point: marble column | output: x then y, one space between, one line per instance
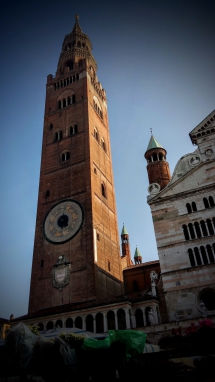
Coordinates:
116 321
94 324
105 322
127 319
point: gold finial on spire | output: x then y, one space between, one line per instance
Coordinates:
151 130
76 17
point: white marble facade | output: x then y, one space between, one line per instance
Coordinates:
184 222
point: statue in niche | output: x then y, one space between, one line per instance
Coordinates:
151 317
153 277
203 310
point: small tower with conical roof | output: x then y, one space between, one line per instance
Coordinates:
126 253
157 166
137 256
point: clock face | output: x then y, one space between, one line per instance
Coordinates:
63 221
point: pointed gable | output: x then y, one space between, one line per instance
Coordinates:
205 128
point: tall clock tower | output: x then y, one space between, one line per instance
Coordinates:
76 250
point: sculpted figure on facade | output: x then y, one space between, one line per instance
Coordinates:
153 277
203 310
151 317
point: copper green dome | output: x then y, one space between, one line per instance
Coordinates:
153 144
124 231
137 253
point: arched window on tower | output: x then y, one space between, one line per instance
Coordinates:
205 201
203 227
58 135
191 257
197 256
95 133
210 227
191 230
194 208
73 98
204 255
210 253
103 144
186 234
189 209
65 156
73 129
198 231
103 189
211 201
155 157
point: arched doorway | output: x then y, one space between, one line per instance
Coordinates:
59 324
69 323
111 320
139 318
49 325
41 326
78 322
121 319
99 323
89 323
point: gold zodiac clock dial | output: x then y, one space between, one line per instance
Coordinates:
63 221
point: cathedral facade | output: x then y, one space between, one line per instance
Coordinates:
183 213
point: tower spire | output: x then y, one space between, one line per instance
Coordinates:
77 27
137 256
126 254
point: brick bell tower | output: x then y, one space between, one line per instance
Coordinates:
76 250
157 166
125 245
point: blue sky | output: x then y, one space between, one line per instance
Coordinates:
156 62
